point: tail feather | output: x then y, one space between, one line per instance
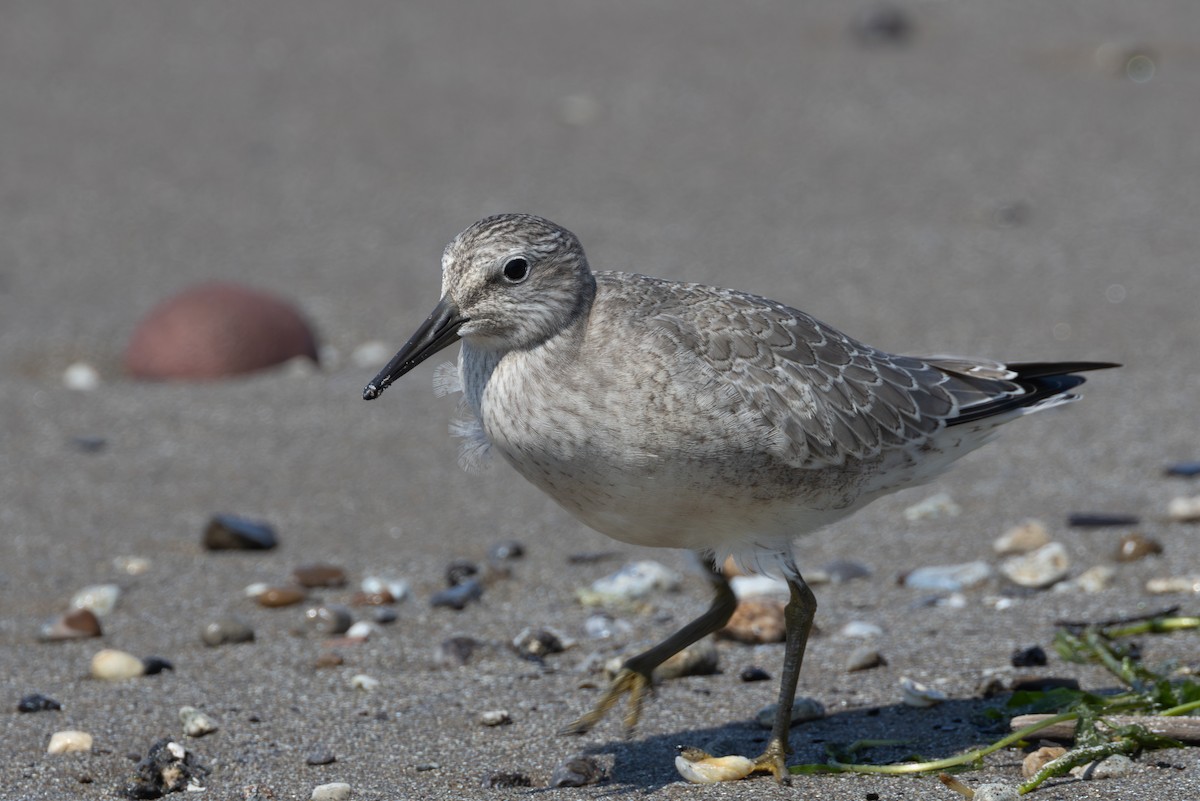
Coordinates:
1031 384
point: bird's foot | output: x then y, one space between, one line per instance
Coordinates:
773 760
628 680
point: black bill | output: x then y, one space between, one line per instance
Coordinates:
439 330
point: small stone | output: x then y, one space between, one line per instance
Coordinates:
328 619
1094 579
839 571
1033 656
112 665
384 615
320 755
168 767
1184 510
698 659
383 598
89 443
36 702
506 780
756 620
362 681
226 630
398 589
803 709
196 723
1038 569
633 582
64 742
274 597
1036 760
506 551
882 25
860 629
74 625
700 768
939 505
603 626
319 574
576 771
1133 547
334 791
533 644
131 565
99 599
153 665
81 377
1113 767
227 532
329 659
753 673
362 630
1170 584
458 596
1100 519
1185 469
495 717
997 791
1028 536
949 578
915 693
456 651
461 570
864 658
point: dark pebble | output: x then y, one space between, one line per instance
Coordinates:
842 570
319 575
156 664
228 532
458 596
506 551
1133 547
504 780
328 619
460 571
384 615
1185 469
226 630
533 644
577 771
320 756
1098 519
754 673
1042 684
167 768
457 650
882 25
36 702
88 444
1033 656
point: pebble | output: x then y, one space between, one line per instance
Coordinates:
81 377
153 665
1094 579
602 626
274 597
456 651
864 658
320 755
1038 569
839 571
228 532
506 551
131 565
753 673
758 586
36 702
503 780
361 681
334 791
363 630
398 589
226 630
576 771
328 619
633 582
1185 469
64 742
495 717
700 768
196 723
882 25
1133 547
1033 656
329 659
756 620
89 443
1184 510
1026 537
168 767
860 629
1168 584
384 615
1099 519
698 659
112 665
318 574
1036 760
949 578
214 330
935 506
458 596
461 570
99 599
1113 767
534 643
73 625
915 693
383 598
996 791
803 709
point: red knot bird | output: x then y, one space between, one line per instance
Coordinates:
686 416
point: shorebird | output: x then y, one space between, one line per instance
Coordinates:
687 416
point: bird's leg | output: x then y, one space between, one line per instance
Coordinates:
798 618
635 674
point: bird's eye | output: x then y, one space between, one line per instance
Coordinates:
516 270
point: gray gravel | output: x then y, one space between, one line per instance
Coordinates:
995 187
